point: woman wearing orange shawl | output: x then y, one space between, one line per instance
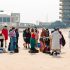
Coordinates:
42 39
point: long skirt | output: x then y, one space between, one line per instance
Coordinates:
12 46
32 43
43 45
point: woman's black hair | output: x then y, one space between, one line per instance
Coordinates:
32 30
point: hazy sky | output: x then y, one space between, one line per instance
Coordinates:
32 10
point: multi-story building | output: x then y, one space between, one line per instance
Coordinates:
65 11
14 19
4 18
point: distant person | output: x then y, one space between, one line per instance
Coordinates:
5 33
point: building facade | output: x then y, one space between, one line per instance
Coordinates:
14 19
65 11
4 18
26 25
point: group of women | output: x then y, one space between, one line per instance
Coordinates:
34 41
13 44
46 42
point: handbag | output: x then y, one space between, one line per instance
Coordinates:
63 42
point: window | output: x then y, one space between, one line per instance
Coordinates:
7 19
0 19
66 19
4 19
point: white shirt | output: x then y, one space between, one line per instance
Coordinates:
56 40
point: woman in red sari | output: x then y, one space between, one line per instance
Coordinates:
5 33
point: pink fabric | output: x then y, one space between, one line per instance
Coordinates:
12 33
36 36
41 43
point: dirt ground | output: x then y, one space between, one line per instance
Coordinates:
39 61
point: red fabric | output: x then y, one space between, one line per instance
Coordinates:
33 35
5 33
